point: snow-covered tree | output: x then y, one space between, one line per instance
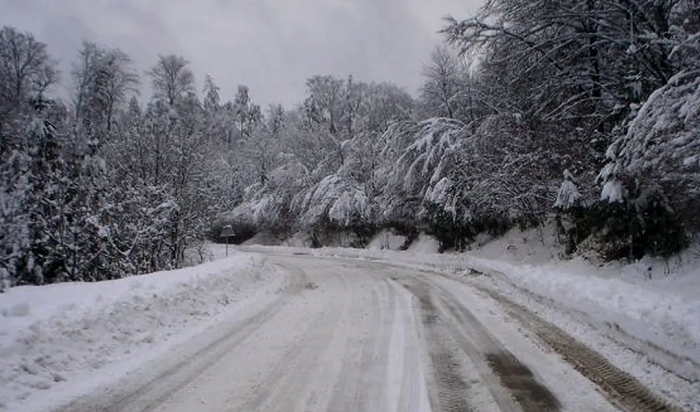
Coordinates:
212 101
26 72
172 80
268 205
535 90
384 104
568 195
324 102
653 173
444 89
104 80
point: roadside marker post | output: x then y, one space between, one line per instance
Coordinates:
227 232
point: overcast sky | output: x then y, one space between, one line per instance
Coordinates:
272 46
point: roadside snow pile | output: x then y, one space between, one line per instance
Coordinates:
668 318
425 244
653 300
64 332
386 240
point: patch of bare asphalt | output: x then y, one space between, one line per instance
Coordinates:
515 376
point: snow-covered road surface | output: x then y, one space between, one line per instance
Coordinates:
347 335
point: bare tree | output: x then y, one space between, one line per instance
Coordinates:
171 78
443 85
104 80
212 101
323 104
26 71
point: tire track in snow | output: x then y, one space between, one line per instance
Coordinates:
363 374
406 375
297 365
162 386
513 374
622 389
375 358
498 367
682 367
450 385
614 384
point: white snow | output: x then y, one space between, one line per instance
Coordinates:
660 316
653 300
568 193
55 339
613 191
61 341
386 240
425 244
663 310
543 363
648 328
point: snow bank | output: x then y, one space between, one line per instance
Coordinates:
535 246
386 240
425 244
653 300
298 240
52 336
662 316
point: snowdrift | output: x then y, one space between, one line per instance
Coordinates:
659 316
652 299
57 336
386 240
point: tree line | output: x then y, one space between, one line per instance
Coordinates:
99 187
582 114
579 114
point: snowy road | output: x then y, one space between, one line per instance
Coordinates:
348 335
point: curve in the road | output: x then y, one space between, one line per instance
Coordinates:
349 336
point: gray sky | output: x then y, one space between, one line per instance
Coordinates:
272 46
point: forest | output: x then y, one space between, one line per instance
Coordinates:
580 114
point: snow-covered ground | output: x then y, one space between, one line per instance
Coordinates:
355 335
653 300
664 310
386 240
59 341
645 317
